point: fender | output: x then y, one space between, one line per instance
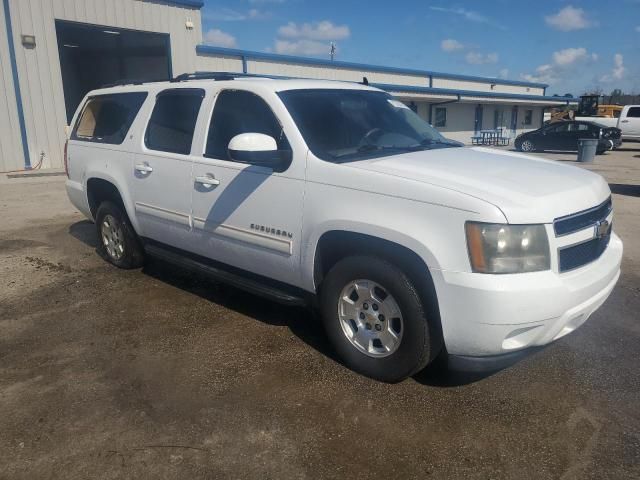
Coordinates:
120 185
308 254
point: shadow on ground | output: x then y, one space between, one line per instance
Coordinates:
624 189
302 322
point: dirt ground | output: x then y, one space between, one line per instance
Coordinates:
159 374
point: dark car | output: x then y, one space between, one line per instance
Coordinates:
565 135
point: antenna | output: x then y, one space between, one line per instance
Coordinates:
332 52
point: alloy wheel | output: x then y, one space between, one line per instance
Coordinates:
370 318
112 237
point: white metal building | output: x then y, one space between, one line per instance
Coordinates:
53 51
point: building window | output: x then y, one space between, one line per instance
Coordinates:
173 120
528 117
498 118
441 117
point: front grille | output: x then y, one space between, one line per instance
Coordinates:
578 255
581 220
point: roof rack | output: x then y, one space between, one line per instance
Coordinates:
131 81
218 76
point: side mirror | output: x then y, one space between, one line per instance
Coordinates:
255 148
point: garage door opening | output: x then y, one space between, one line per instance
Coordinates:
92 56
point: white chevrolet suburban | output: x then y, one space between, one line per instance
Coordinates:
337 196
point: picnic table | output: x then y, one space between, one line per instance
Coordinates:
490 137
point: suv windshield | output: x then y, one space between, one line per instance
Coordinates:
342 125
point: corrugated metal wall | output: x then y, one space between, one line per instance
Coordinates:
11 156
39 67
485 86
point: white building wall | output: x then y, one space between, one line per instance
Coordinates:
11 157
39 68
219 63
485 86
461 119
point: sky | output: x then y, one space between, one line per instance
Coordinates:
574 46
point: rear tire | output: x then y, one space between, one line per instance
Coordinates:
117 241
390 290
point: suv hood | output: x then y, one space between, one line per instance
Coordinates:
526 189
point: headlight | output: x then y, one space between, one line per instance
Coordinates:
498 248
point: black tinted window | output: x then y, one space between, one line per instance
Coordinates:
237 112
173 120
107 118
634 112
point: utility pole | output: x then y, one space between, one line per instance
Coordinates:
332 52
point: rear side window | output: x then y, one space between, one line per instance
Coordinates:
173 120
236 112
634 112
107 118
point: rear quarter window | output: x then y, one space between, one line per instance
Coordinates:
107 118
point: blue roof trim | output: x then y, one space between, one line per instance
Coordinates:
187 3
234 52
470 93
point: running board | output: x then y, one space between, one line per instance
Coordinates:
239 281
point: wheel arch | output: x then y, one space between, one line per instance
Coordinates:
100 188
336 244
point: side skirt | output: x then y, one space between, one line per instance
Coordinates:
260 286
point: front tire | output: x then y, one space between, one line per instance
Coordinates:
117 241
375 319
527 146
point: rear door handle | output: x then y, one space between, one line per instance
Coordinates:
207 180
624 121
143 168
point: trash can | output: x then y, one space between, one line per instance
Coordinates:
587 149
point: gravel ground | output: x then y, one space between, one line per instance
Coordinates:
157 374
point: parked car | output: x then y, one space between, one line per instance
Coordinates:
564 135
629 122
336 196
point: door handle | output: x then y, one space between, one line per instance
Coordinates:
624 121
207 180
143 168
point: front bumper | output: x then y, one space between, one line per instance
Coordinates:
486 315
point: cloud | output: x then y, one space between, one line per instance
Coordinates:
219 38
231 15
504 73
568 19
451 45
309 38
638 29
463 12
301 47
469 15
618 69
477 58
563 62
569 56
324 30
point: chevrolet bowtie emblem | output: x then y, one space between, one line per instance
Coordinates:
602 228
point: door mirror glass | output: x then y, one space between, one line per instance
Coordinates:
255 148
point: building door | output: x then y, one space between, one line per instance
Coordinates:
514 119
478 119
92 56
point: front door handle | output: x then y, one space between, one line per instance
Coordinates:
207 180
143 168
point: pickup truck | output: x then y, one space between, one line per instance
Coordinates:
629 122
337 196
